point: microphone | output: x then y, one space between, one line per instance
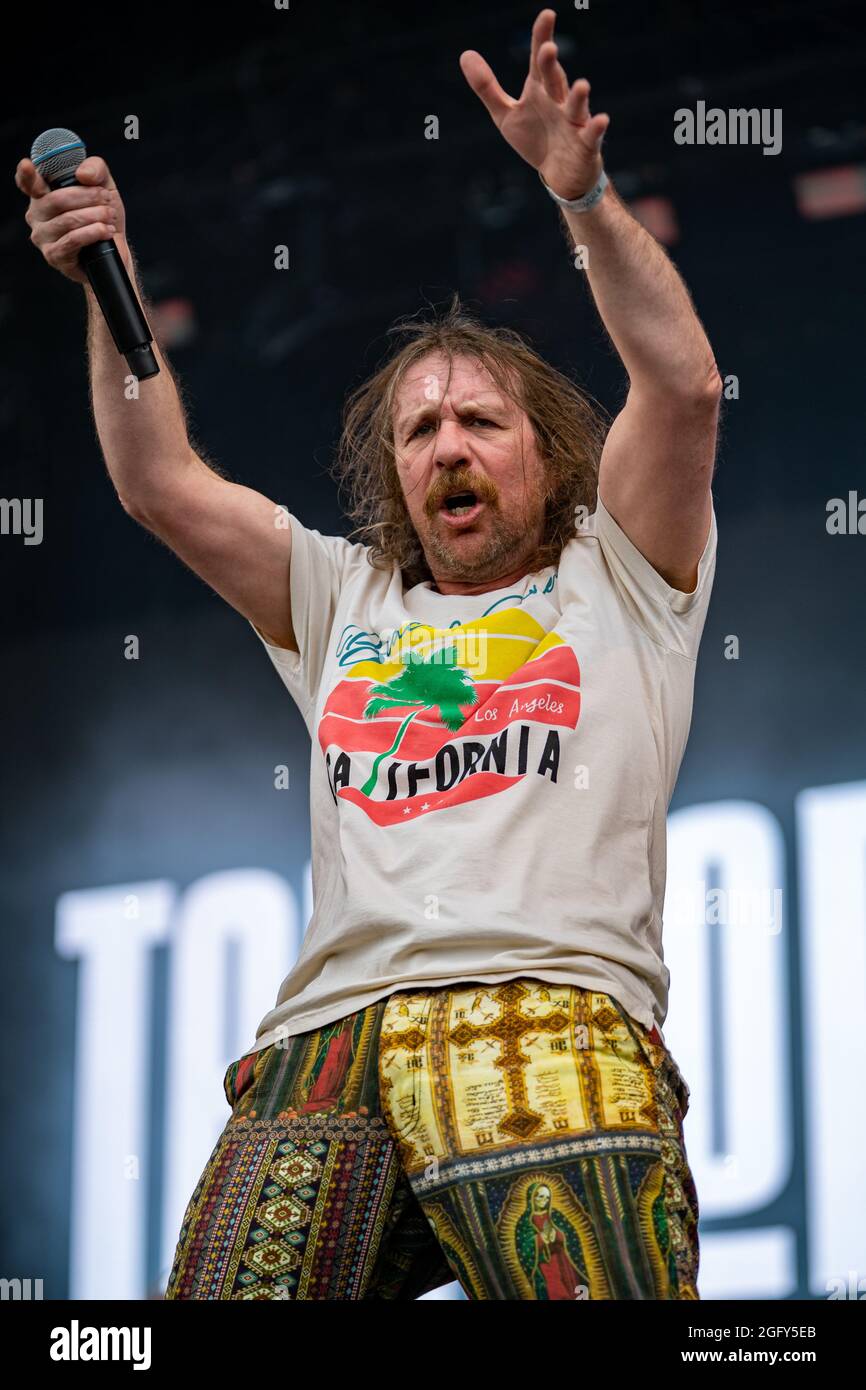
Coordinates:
57 154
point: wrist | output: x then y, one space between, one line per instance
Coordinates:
586 201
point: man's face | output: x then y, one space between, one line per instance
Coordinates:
463 436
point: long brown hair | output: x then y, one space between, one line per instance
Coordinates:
569 427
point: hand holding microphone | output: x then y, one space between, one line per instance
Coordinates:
74 213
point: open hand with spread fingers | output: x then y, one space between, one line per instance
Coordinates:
550 126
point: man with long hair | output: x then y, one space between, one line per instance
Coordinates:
464 1075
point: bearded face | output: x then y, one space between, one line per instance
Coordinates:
470 472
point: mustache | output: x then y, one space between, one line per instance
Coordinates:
485 490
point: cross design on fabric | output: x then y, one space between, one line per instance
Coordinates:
509 1029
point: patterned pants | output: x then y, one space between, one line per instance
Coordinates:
525 1139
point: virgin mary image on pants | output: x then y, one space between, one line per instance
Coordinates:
328 1073
545 1240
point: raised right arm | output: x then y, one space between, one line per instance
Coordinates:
233 537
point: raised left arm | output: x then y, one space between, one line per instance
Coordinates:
657 463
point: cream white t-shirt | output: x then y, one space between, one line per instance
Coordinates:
490 774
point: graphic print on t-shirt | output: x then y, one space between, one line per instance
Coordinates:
440 716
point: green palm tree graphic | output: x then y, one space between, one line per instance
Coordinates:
431 683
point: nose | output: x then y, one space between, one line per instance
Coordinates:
451 450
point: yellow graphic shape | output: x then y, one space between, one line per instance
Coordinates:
487 649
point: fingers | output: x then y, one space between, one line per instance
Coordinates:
600 124
54 232
594 130
94 170
542 30
29 179
63 254
482 80
577 102
552 72
63 220
62 200
91 172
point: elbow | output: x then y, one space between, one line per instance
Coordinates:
712 387
684 394
706 390
134 510
700 395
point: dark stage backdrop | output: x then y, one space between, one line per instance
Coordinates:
155 881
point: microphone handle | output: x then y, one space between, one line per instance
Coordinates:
117 299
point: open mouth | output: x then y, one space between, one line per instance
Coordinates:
460 504
461 509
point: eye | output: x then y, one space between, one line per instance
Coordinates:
473 419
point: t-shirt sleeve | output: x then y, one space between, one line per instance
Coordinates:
317 573
669 616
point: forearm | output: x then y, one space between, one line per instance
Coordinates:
143 434
642 300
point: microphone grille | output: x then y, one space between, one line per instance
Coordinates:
57 152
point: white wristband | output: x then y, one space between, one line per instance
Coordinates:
583 204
